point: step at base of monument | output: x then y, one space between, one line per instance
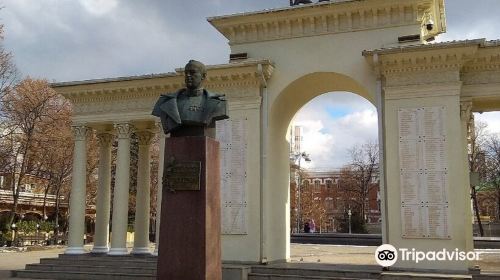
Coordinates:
101 261
314 271
93 268
423 276
260 276
437 276
77 275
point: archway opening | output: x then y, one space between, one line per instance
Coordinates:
336 105
484 165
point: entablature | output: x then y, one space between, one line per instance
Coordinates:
332 17
423 57
471 68
134 97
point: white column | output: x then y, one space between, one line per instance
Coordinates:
121 191
159 188
103 194
78 193
141 226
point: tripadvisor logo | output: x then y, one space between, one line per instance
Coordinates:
387 255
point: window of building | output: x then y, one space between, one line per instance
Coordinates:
317 186
329 184
305 183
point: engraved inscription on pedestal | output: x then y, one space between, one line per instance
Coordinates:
423 172
182 176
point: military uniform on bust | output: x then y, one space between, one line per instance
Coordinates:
191 111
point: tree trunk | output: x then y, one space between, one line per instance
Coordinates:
56 219
476 209
15 200
44 207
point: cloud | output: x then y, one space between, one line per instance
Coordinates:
326 138
85 39
99 7
492 119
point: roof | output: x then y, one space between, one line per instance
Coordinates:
248 62
441 45
281 9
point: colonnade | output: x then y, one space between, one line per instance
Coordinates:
114 244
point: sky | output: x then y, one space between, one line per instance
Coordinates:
68 40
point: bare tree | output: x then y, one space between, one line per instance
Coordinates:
492 182
28 108
362 171
8 74
476 151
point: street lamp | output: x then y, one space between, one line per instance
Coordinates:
349 213
297 157
14 235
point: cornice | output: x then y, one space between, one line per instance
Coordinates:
241 74
132 98
423 58
486 59
330 18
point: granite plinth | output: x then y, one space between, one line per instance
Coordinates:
190 246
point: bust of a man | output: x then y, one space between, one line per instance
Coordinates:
191 111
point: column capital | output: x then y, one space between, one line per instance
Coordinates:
80 132
123 130
105 138
144 137
465 109
160 130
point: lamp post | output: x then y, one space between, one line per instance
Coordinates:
14 235
298 158
349 213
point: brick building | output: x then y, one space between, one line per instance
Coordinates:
325 199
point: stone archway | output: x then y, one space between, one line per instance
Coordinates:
291 55
298 93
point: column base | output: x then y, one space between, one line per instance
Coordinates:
75 251
141 251
100 249
118 252
155 252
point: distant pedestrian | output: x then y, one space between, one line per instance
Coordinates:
313 226
307 229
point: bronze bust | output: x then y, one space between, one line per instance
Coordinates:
191 111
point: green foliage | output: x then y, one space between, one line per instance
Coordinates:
46 226
357 224
5 236
26 227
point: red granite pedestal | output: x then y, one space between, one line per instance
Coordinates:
190 246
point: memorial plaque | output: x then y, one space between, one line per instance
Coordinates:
408 125
410 191
409 155
233 149
183 176
413 221
436 183
423 167
432 120
438 221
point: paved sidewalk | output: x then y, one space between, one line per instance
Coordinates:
18 260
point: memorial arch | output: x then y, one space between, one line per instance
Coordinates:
282 58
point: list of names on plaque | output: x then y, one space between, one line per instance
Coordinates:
423 172
231 134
